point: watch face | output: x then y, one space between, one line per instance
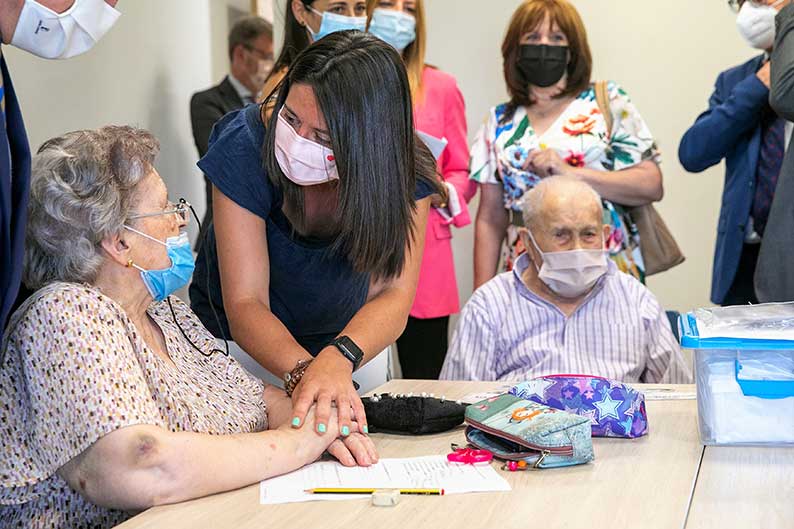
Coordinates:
349 350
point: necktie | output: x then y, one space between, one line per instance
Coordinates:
770 160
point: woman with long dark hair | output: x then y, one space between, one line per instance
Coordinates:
308 20
319 220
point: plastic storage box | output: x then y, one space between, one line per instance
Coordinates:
745 387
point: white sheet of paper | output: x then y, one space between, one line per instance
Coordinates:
471 398
436 145
415 472
665 394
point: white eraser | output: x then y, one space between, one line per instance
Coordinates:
386 497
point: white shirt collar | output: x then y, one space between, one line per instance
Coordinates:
240 88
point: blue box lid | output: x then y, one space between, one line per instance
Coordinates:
690 339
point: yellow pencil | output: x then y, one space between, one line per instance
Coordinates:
432 492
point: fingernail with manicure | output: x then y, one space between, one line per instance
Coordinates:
345 431
321 428
296 421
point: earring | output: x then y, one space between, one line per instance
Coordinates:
129 263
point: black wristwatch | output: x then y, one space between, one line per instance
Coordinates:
349 350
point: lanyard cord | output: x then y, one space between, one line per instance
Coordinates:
184 334
217 319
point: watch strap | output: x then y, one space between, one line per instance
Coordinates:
349 350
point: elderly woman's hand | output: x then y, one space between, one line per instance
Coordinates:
355 449
351 450
328 380
546 163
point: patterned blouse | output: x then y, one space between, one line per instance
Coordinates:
580 137
74 368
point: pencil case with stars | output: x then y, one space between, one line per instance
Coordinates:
527 433
613 408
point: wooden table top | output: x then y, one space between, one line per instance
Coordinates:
643 483
744 487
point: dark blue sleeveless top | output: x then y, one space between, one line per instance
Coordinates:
313 292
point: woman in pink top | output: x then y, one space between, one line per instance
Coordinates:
439 112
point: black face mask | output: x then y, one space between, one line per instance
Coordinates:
542 65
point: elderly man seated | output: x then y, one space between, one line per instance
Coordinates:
565 307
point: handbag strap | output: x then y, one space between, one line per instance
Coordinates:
602 99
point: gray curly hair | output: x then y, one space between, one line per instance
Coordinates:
82 190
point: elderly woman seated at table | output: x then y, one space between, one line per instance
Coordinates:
114 397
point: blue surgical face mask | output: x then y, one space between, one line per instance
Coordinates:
393 27
332 22
163 283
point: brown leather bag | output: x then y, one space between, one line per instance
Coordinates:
659 250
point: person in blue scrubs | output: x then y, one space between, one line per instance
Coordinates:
319 222
51 29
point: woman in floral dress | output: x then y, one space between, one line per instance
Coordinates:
553 125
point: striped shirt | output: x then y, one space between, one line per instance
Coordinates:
507 332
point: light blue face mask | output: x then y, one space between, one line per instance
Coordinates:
396 28
332 22
163 283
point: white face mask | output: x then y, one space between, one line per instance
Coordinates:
303 161
51 35
757 24
571 273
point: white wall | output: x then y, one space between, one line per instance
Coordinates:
223 14
666 54
141 73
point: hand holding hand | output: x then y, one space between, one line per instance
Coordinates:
326 381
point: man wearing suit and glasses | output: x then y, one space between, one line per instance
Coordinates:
251 57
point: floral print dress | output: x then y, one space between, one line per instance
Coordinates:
580 137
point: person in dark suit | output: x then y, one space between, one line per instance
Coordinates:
774 276
251 56
71 28
740 127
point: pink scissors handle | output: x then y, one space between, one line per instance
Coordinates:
469 456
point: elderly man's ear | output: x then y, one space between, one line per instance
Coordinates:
532 251
523 235
117 248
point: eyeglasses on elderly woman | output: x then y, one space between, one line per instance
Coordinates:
181 209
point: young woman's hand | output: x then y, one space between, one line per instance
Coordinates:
328 381
351 450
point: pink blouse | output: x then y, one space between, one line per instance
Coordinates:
442 113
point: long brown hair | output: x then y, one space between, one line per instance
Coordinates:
414 54
529 15
362 89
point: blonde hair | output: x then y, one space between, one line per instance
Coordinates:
414 54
